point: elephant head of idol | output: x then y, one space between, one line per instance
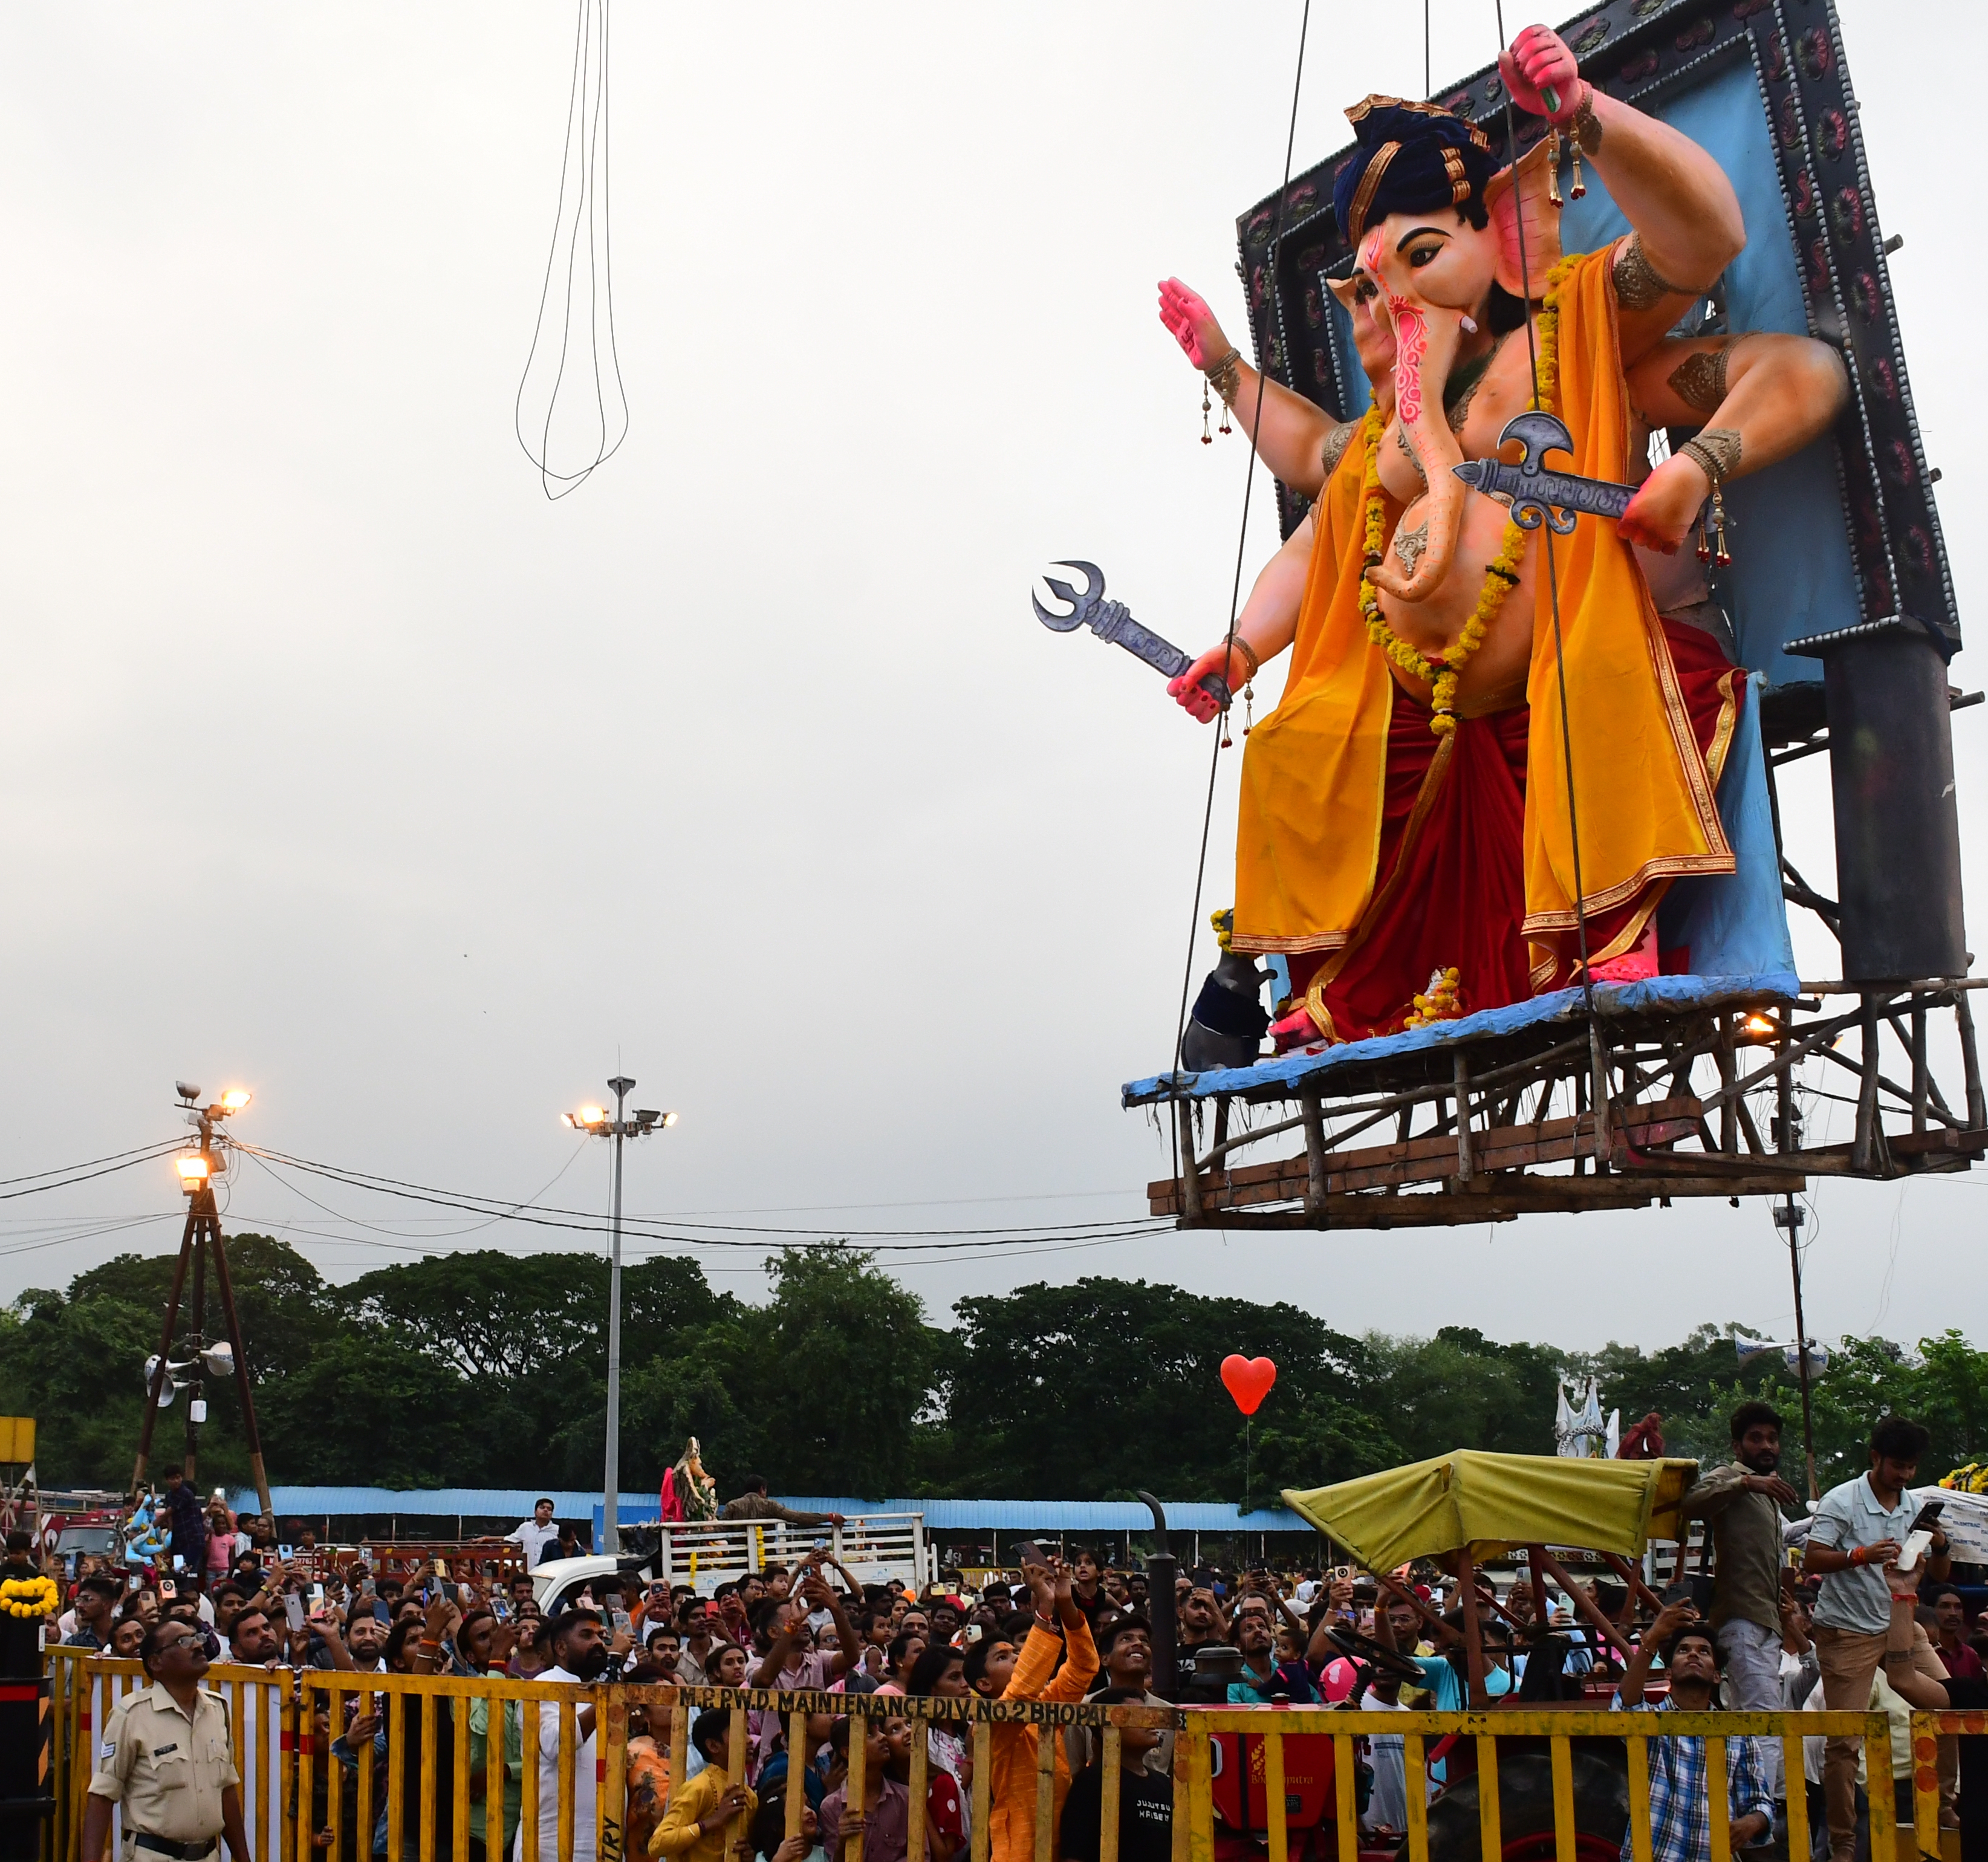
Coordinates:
1434 228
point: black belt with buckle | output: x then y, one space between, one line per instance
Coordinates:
180 1852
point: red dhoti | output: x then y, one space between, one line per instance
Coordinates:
1450 879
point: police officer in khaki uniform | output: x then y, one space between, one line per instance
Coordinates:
166 1757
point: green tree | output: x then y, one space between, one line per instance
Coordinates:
487 1369
1459 1390
368 1410
845 1367
1094 1390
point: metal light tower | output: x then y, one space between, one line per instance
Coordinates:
595 1120
201 1236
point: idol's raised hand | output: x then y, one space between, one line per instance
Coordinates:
1186 313
1540 61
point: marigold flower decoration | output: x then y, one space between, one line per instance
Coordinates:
1439 1003
29 1596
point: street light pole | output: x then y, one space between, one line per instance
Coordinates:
197 1169
610 1501
620 1127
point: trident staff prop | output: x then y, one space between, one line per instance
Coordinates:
1113 620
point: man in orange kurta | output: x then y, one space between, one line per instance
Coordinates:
1032 1673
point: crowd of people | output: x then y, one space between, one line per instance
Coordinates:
1861 1617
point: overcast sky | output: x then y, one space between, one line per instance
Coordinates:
340 764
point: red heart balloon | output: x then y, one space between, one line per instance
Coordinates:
1249 1381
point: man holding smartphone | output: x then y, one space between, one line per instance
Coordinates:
1859 1529
1741 1504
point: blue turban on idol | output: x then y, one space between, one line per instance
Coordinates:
1409 158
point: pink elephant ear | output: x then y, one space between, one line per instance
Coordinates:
1533 197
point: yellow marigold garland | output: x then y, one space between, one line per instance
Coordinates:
29 1596
1439 1002
1500 578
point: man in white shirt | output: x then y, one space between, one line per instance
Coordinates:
1859 1530
580 1653
1388 1808
535 1533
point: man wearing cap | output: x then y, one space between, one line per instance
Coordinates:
167 1759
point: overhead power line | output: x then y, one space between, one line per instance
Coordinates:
39 1181
666 1228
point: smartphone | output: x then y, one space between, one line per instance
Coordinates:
498 1608
284 1551
1028 1553
317 1596
381 1613
294 1608
167 1587
179 1563
623 1622
1914 1550
1928 1515
133 1582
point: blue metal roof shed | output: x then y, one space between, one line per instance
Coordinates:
418 1509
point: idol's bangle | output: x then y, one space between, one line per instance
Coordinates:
1226 376
1701 456
1584 126
1251 664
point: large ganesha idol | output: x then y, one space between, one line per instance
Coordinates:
1406 812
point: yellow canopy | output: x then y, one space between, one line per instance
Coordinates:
1493 1502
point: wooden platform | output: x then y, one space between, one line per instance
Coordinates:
1465 1150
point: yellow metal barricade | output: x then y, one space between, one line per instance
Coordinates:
341 1766
986 1721
1622 1737
1927 1730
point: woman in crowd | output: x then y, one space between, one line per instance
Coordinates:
906 1646
940 1673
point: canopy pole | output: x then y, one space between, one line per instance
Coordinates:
1473 1634
1441 1630
1634 1578
1579 1598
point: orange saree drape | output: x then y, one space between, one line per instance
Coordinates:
1367 850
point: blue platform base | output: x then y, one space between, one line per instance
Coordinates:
1359 1066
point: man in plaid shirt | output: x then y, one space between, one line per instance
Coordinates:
1680 1824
